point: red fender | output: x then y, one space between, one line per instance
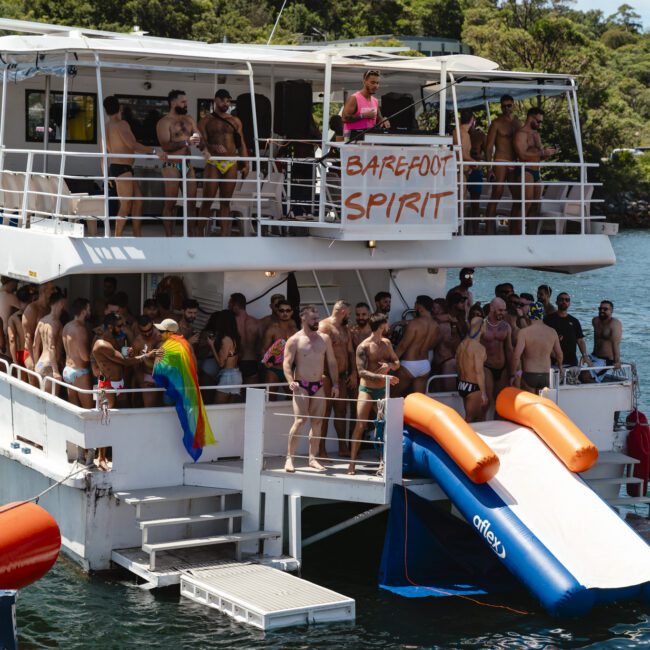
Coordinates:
638 446
29 544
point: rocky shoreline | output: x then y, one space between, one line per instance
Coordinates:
628 210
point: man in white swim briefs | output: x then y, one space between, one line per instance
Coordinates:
421 336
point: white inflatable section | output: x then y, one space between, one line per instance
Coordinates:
594 544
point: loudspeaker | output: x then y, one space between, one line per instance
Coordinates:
244 112
392 103
293 104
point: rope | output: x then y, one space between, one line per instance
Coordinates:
441 591
40 494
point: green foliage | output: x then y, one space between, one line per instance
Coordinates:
626 173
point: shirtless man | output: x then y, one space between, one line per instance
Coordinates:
473 174
497 340
120 140
224 136
150 308
15 334
186 323
111 363
361 330
9 301
281 330
32 314
499 148
48 342
77 354
266 321
420 338
177 132
535 345
544 293
375 359
305 355
383 301
336 327
470 360
444 355
528 147
148 339
249 330
466 281
608 332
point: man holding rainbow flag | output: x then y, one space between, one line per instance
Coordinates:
176 372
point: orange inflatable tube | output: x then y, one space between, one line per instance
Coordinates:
551 424
29 544
453 434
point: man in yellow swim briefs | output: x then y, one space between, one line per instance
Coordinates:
223 136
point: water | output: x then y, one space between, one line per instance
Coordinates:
70 610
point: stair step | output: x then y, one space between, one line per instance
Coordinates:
624 501
213 540
192 519
173 493
615 458
620 480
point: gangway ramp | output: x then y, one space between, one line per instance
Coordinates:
265 597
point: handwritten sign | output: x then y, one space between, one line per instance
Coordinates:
398 186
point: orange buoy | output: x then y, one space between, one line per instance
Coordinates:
453 434
29 544
551 424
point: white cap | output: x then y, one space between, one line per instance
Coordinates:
168 325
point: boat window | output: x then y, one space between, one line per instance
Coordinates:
142 112
82 117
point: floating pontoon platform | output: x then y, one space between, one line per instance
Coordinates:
264 597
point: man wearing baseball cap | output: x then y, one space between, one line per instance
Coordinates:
224 136
167 326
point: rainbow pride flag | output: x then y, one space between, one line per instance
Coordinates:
176 373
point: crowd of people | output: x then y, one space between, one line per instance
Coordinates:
449 344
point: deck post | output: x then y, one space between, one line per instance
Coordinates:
3 117
258 161
442 120
327 91
64 128
253 464
295 526
102 130
393 445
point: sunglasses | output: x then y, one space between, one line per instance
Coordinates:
468 275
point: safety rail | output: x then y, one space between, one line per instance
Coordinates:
287 195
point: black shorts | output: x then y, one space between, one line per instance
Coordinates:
248 368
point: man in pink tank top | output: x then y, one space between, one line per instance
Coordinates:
361 110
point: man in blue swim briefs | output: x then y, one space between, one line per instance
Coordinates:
528 146
375 359
473 174
305 355
77 354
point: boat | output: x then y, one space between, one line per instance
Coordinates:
340 224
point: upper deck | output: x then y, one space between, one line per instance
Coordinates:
393 200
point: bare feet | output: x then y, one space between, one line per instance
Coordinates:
351 470
314 464
344 452
103 465
323 454
288 466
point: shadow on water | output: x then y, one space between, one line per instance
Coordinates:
70 610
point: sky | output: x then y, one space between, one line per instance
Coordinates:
608 7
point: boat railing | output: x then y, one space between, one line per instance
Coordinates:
291 195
